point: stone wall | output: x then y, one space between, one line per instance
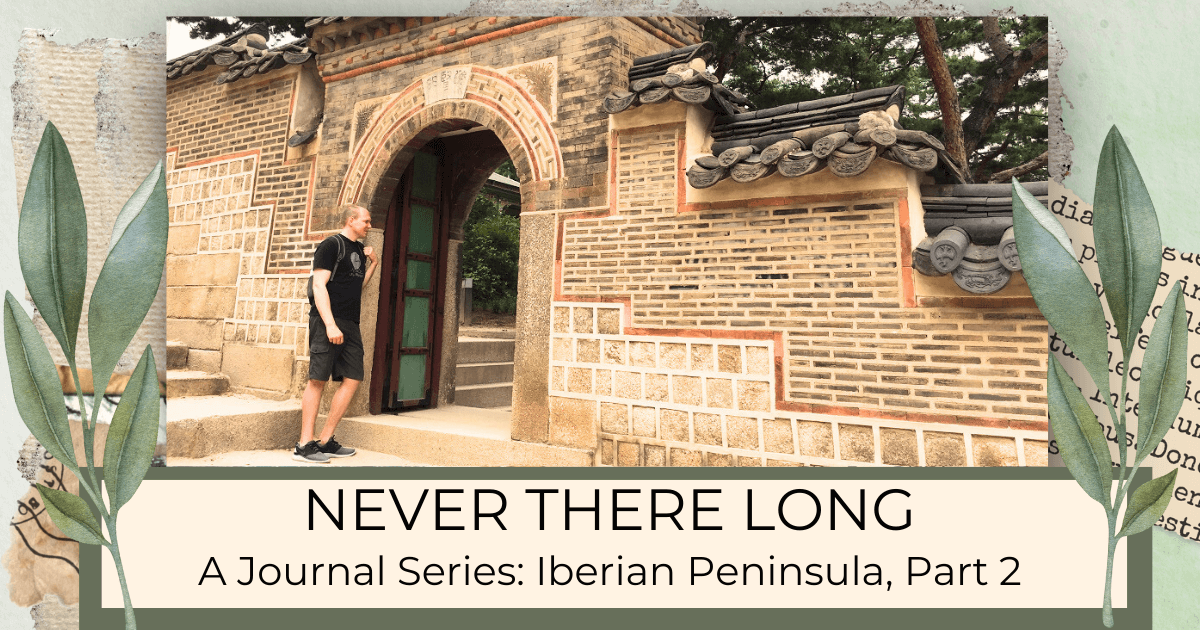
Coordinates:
247 211
230 185
802 290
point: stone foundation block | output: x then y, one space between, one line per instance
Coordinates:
945 449
857 443
573 422
898 447
258 367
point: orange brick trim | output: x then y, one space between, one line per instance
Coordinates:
440 50
908 287
924 418
231 156
980 301
889 193
612 173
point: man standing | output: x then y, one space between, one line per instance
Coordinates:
335 345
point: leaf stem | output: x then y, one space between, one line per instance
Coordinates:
1107 614
92 488
130 619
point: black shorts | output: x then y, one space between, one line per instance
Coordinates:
343 360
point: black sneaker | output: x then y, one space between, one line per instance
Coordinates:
333 449
310 453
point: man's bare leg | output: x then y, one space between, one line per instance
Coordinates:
337 407
309 404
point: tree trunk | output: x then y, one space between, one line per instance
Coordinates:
943 82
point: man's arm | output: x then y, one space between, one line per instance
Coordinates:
370 252
321 300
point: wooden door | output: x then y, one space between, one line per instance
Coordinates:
408 345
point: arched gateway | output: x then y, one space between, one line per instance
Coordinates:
701 282
419 177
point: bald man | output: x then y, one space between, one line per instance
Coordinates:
335 346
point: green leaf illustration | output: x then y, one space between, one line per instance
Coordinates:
1078 434
36 387
1128 243
72 516
130 277
1164 374
52 240
132 434
1148 504
1063 293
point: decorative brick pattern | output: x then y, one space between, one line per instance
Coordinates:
709 401
207 122
825 274
271 310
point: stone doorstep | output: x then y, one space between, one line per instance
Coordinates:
466 374
454 436
446 436
472 350
189 383
486 395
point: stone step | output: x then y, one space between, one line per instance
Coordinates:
182 383
489 395
486 333
482 373
485 350
201 426
177 355
454 436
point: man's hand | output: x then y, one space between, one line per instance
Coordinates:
370 252
335 335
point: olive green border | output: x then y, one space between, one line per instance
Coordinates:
1137 615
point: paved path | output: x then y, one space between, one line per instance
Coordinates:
284 458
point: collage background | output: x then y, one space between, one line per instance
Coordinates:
1124 65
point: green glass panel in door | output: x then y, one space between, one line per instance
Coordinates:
418 276
416 322
424 184
420 229
411 379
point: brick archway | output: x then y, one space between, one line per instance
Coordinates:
418 114
407 121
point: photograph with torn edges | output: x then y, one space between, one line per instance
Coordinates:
600 241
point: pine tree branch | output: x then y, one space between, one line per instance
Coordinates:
1018 171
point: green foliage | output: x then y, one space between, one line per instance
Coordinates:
1148 504
52 245
127 284
72 516
1128 244
132 433
52 239
491 248
213 27
1079 438
1062 291
775 61
36 388
1128 251
1164 374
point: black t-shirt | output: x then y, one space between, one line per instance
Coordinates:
345 285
